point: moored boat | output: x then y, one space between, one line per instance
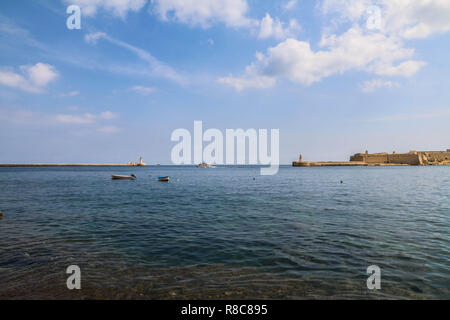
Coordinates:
204 165
121 177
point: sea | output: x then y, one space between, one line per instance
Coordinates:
225 233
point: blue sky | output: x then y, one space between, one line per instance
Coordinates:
137 70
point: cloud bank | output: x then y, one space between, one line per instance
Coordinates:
31 79
118 8
381 51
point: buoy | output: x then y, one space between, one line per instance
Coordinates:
342 181
1 215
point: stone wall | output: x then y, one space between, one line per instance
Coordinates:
411 158
377 158
435 156
405 158
357 157
370 158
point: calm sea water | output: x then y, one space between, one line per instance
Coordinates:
218 233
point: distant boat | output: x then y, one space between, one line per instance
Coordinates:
163 179
204 165
119 177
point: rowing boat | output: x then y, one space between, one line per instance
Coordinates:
119 177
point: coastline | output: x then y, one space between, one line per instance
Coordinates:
412 158
344 164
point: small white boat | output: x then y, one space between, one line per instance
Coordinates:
163 179
205 165
119 177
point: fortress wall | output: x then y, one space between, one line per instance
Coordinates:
436 156
404 158
375 158
412 158
357 157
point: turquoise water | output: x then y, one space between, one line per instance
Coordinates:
220 233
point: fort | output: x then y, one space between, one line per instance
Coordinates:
412 158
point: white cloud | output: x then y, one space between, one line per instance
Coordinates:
92 38
290 5
90 123
233 13
109 129
270 27
353 50
404 18
381 51
86 118
157 68
32 78
417 18
257 82
404 69
108 115
118 8
40 74
204 12
143 90
348 10
69 94
372 85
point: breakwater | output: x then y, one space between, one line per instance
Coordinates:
66 165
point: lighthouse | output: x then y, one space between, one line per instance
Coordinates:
141 162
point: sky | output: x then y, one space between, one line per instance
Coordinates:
336 77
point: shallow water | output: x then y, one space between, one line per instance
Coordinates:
217 233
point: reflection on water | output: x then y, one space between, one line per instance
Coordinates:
217 233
